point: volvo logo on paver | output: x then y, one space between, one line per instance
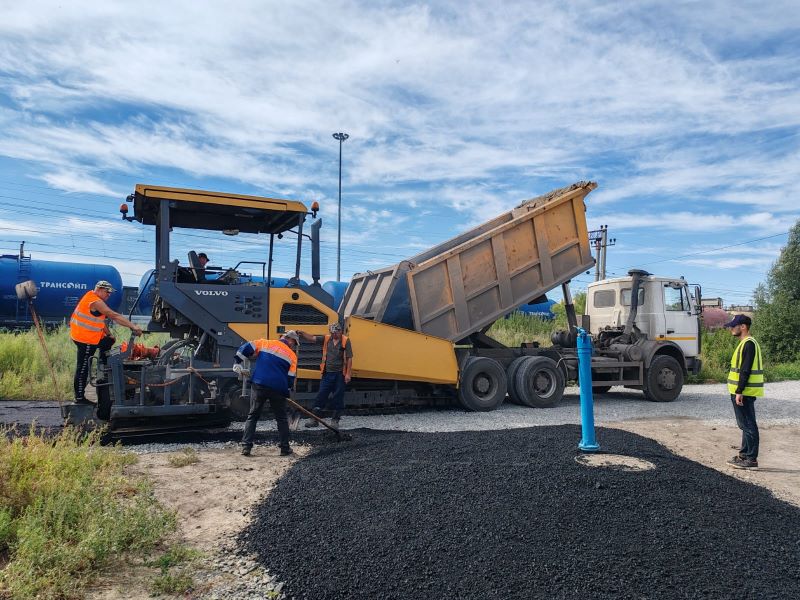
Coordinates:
210 293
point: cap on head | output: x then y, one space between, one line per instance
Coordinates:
104 285
739 320
203 255
334 328
292 335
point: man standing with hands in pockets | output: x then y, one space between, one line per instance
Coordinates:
745 384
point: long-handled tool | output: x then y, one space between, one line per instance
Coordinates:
342 437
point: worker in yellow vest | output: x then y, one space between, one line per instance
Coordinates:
745 384
88 329
336 367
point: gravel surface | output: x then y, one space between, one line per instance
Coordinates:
712 403
511 514
781 406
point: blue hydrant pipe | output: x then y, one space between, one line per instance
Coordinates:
588 442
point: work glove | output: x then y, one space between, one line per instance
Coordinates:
237 368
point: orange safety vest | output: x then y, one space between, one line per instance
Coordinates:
84 326
325 341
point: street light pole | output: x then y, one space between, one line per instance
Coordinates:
341 137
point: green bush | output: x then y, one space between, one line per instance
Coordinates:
67 510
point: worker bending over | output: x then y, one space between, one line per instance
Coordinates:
88 329
271 378
337 367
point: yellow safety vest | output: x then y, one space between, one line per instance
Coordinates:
755 383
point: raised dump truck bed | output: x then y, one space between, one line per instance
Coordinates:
463 285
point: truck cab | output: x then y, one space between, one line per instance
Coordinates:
667 311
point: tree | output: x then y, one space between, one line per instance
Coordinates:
777 302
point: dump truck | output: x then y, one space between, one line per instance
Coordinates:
419 328
458 289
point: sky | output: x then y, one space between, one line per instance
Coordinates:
686 114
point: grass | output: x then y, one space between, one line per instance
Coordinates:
172 579
184 458
67 510
519 328
24 374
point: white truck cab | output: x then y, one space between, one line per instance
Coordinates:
666 311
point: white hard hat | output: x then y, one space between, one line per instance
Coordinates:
292 335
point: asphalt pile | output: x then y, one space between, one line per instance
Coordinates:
511 514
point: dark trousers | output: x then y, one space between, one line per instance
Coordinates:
277 402
331 392
746 420
85 353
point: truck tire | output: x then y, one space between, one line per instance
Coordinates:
663 381
483 384
511 374
539 382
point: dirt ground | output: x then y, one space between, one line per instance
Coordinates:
214 497
710 445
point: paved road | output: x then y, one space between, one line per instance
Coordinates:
706 402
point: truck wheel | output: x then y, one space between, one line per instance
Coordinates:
664 379
539 382
483 384
511 374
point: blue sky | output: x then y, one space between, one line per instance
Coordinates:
687 114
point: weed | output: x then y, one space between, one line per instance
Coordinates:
168 582
187 456
67 511
173 583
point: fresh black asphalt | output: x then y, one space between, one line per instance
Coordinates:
511 514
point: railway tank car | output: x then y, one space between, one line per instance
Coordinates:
61 285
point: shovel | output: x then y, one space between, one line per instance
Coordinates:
342 437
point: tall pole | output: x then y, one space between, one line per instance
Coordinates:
341 137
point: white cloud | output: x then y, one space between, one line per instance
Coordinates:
456 113
746 226
78 182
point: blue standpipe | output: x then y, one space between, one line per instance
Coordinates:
588 442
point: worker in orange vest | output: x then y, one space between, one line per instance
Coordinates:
89 331
336 367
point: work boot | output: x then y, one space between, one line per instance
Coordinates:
743 463
246 451
311 423
286 451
